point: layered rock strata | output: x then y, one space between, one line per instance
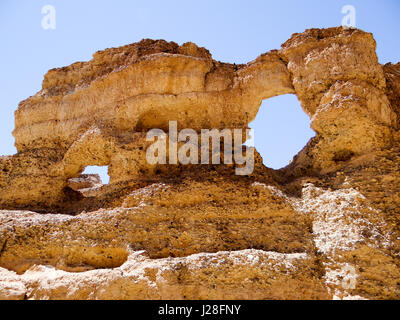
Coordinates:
326 226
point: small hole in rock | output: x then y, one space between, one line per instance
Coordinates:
90 181
102 171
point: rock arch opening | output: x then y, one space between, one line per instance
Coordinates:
91 180
101 171
281 129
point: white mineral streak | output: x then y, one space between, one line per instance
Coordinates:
42 280
339 219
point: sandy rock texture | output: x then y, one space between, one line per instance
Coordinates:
324 227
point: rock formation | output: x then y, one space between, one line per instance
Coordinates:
326 226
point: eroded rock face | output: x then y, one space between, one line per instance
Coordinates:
85 181
326 226
341 86
97 112
180 278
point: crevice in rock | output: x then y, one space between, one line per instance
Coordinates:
71 259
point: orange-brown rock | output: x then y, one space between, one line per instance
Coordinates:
341 86
326 226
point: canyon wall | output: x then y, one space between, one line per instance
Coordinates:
326 226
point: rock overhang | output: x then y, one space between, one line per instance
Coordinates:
97 112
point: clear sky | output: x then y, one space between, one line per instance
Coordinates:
234 31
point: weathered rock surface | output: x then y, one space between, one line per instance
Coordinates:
326 226
177 278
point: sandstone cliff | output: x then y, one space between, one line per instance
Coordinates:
326 226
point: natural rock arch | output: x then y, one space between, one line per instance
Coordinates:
97 112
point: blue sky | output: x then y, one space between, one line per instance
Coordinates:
234 31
